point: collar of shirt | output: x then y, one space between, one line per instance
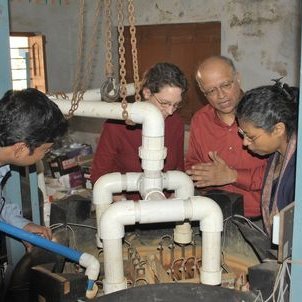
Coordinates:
3 171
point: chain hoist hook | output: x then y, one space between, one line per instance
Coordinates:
110 90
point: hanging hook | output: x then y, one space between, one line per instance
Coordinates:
110 90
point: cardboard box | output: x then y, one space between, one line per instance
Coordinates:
72 180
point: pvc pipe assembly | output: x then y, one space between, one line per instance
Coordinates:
111 219
86 260
120 214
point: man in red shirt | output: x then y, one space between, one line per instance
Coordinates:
215 155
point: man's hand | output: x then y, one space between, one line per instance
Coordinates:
215 173
36 229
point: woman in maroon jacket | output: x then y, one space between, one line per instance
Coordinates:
163 85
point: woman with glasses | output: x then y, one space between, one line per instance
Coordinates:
267 119
163 85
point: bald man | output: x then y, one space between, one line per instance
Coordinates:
215 156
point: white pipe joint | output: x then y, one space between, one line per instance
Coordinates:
150 182
102 192
115 218
149 116
183 186
153 153
208 212
91 264
104 188
179 182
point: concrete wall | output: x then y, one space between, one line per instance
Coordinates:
262 36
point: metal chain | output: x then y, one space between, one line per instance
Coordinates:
108 36
132 30
92 46
80 55
83 76
122 61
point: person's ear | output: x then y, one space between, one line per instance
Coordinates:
279 129
20 149
146 93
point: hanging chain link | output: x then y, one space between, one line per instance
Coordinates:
132 30
92 47
78 71
108 37
83 75
122 60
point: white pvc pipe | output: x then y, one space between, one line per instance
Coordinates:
105 187
210 258
119 214
152 152
113 265
94 95
91 264
179 182
183 186
144 113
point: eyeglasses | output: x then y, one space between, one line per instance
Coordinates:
166 104
226 86
249 139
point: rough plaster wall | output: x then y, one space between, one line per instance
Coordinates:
261 36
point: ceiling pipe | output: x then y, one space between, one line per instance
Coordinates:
120 214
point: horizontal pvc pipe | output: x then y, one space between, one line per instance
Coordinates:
139 112
94 95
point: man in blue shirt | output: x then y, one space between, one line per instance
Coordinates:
29 124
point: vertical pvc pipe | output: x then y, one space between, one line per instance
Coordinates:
210 272
113 266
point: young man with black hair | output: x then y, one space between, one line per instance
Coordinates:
29 124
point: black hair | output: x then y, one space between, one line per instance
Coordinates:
164 74
29 116
266 106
